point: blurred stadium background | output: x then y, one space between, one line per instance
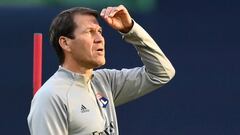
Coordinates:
201 38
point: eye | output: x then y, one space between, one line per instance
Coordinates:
100 31
91 31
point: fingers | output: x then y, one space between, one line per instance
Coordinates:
117 17
103 12
107 12
111 11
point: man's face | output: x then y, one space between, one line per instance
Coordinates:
87 48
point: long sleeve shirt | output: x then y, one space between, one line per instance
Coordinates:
72 104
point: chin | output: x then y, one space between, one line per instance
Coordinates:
103 63
99 64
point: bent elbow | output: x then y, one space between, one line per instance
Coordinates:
166 77
171 73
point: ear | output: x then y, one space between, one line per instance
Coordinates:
64 42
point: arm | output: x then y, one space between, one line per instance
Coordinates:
129 84
47 115
157 65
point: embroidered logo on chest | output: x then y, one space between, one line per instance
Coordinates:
102 100
84 109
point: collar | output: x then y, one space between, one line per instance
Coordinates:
82 78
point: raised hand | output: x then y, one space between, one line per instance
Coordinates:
118 18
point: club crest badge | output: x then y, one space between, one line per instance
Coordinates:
103 101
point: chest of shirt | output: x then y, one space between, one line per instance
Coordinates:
87 110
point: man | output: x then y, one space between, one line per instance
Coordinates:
79 101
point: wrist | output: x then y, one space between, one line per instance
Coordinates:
127 28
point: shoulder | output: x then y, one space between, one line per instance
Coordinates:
106 73
102 75
54 90
103 72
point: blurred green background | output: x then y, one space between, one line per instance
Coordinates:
141 5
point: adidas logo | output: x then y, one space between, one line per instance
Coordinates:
84 109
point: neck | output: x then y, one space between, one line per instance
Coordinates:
78 69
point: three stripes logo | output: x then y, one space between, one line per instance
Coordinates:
84 109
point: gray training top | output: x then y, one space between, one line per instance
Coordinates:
71 104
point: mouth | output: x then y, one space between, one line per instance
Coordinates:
100 50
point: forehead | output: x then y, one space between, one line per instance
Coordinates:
85 20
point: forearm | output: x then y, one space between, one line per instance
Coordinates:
157 65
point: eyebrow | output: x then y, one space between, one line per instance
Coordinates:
92 28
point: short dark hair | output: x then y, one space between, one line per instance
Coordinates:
63 25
